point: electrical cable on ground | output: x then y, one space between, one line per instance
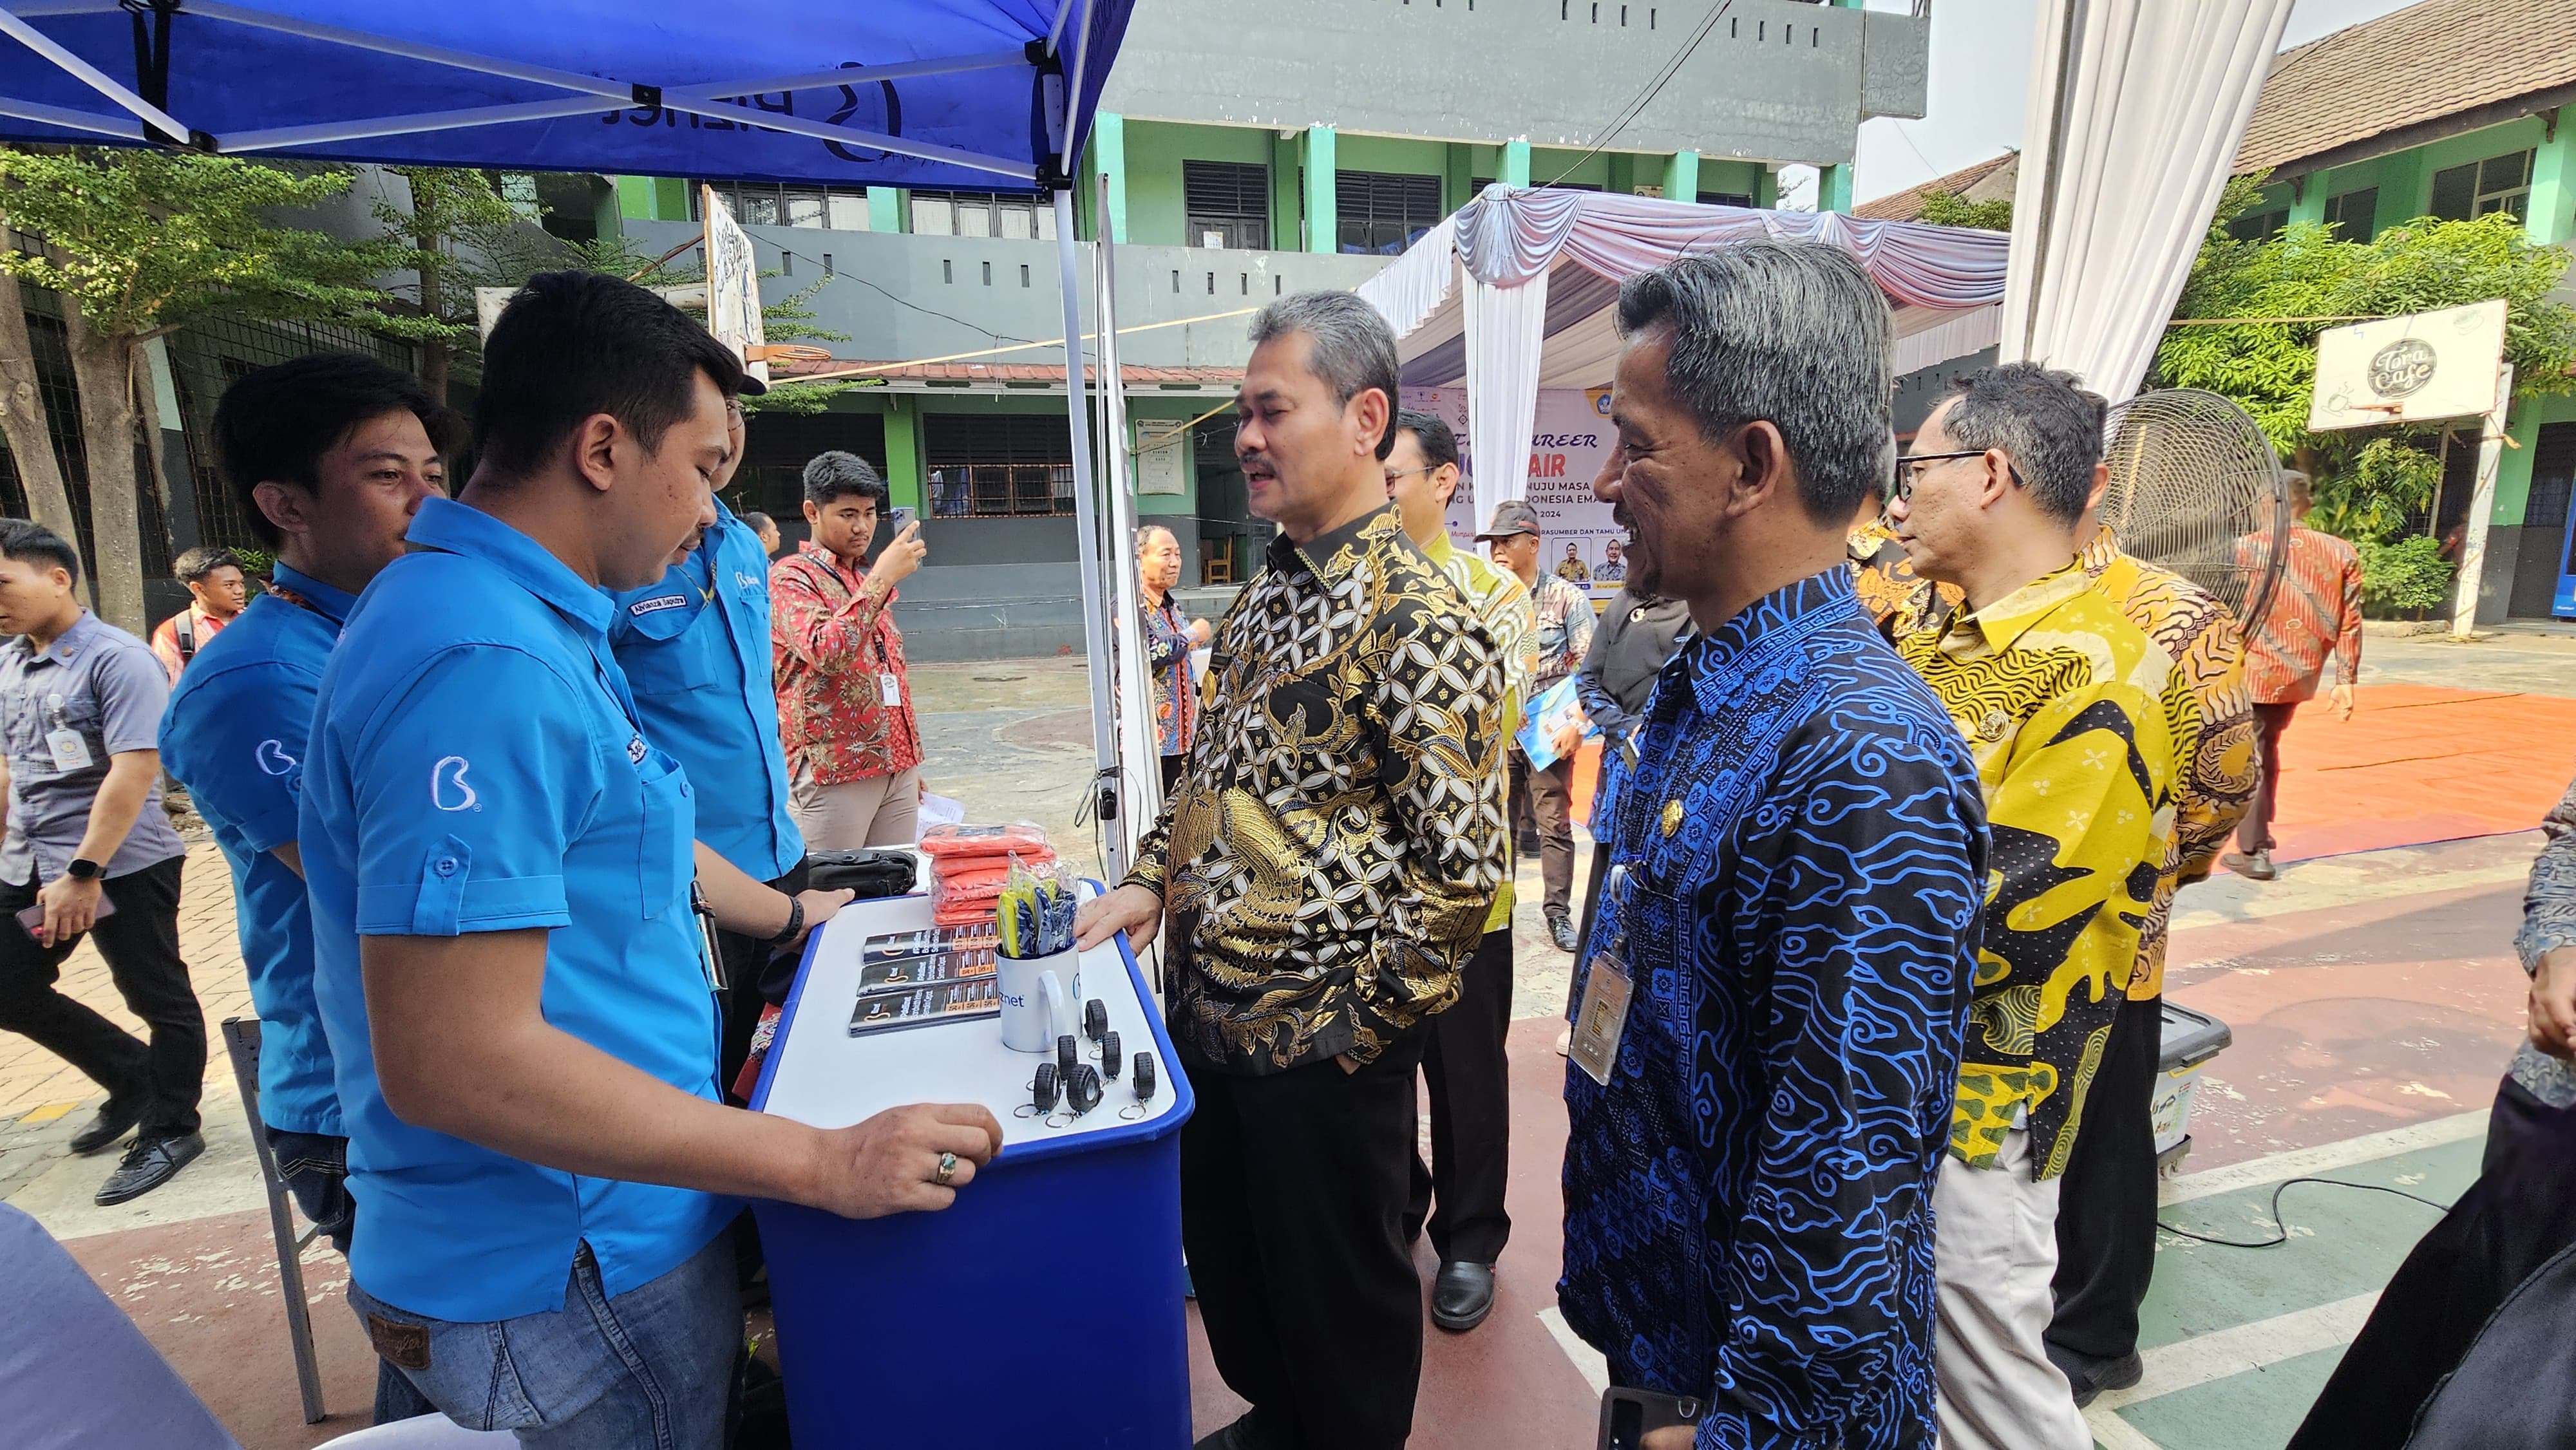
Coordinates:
2282 1236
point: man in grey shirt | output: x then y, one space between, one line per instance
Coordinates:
89 850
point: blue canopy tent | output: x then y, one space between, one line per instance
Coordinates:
912 93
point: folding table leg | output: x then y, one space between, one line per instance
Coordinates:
241 1043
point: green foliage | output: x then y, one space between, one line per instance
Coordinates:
145 240
1947 209
2369 498
2367 480
2404 576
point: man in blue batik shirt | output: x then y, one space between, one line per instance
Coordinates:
1770 1003
330 456
509 970
695 648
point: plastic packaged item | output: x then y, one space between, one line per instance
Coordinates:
1025 838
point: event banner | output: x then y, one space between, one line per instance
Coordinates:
1570 439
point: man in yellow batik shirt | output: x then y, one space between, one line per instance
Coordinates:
2061 700
1471 1109
2106 1210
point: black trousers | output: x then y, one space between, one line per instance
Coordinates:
748 976
1471 1115
2518 1215
141 945
2254 833
1292 1188
2106 1205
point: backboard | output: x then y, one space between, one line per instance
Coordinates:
733 284
2413 369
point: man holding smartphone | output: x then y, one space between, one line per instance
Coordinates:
845 712
89 849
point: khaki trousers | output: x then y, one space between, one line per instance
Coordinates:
1995 1252
874 810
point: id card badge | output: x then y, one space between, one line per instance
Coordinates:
890 690
1602 1016
71 752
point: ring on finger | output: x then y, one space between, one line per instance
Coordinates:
947 1169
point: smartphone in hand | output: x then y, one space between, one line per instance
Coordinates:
900 519
32 920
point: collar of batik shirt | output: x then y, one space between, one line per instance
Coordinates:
1330 556
1993 629
1712 659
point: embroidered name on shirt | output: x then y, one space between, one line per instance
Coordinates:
642 607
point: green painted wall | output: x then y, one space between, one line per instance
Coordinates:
2552 215
1157 205
1550 165
1834 188
1141 407
1744 178
1108 151
1401 156
2513 467
1517 164
1458 183
1766 190
1320 166
1287 192
1681 176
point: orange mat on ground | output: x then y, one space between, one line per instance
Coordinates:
2417 763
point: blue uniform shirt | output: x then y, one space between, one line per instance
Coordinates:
235 736
695 648
476 766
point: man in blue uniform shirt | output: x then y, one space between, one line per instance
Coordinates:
511 976
330 456
695 648
1799 853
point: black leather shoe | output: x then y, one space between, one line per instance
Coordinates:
149 1163
1561 931
114 1120
1462 1296
1255 1431
2090 1377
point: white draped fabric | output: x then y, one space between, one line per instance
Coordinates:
1515 293
2136 110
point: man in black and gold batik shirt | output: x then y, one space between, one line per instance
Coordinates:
1323 869
2059 696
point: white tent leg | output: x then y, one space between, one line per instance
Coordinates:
1095 625
1135 708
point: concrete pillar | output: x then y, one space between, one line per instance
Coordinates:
1834 188
2403 190
635 198
2308 199
1109 158
904 473
1323 223
1458 176
885 209
2551 214
1681 176
1623 174
1766 187
1516 164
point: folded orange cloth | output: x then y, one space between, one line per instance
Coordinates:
1019 837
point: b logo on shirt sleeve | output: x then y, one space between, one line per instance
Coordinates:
273 759
447 787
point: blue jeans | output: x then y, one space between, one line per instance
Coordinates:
657 1366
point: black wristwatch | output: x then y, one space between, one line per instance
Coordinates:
84 869
795 923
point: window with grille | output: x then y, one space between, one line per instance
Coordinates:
2256 226
2350 214
1383 212
1725 198
1228 204
1008 215
770 204
997 465
2499 183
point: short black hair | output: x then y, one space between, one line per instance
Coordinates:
758 520
32 543
2044 419
571 345
838 475
1431 434
274 423
197 563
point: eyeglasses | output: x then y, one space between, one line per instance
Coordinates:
1393 474
1902 487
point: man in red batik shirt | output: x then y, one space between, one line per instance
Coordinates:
844 705
2315 616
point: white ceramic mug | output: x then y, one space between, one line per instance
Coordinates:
1037 1006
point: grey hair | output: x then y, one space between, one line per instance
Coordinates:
1791 334
1146 532
2043 419
1354 349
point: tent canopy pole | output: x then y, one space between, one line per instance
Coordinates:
1086 527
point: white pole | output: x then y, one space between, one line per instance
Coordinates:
1139 748
1095 634
2473 548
